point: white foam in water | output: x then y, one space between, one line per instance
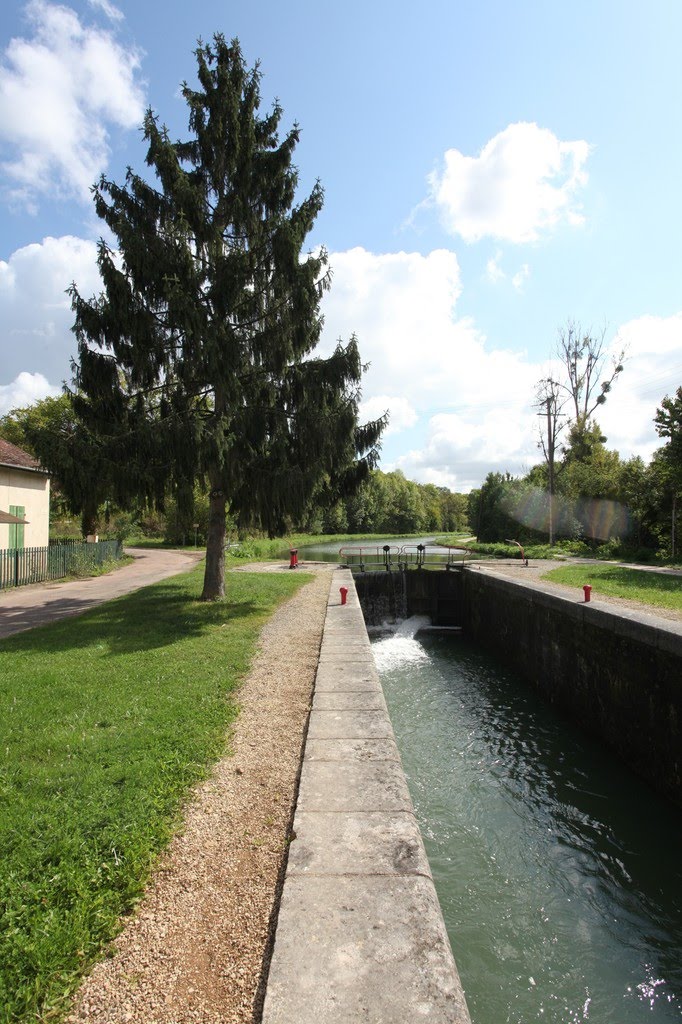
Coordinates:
401 648
410 627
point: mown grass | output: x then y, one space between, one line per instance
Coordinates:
653 588
108 719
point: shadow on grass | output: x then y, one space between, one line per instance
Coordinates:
153 617
628 579
646 580
643 579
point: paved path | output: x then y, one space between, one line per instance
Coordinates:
25 607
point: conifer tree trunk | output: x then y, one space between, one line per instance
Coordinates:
214 575
89 519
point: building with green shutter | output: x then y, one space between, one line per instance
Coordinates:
24 500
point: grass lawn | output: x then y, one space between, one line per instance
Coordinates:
652 588
107 720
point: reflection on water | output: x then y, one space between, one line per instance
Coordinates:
559 873
330 552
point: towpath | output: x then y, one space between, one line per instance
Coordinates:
534 573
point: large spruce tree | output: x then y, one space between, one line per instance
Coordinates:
195 363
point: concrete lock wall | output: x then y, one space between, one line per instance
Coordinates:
617 673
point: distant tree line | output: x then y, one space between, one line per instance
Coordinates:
84 498
580 492
390 503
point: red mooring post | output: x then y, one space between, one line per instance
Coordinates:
587 590
344 594
293 558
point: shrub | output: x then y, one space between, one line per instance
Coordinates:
611 548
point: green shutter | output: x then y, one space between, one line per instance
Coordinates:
16 530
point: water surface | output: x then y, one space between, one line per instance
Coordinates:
329 552
558 871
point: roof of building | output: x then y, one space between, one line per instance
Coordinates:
6 518
10 455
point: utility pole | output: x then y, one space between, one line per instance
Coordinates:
548 402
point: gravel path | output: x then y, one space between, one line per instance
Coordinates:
196 949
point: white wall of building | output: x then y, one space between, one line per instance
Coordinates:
32 491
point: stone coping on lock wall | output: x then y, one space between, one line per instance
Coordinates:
360 933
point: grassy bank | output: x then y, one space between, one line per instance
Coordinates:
612 550
652 588
109 719
264 548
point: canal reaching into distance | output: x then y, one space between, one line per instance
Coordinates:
558 871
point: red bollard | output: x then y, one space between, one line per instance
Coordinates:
587 590
344 594
293 553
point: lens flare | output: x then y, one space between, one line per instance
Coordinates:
593 518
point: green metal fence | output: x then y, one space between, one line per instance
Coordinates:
20 566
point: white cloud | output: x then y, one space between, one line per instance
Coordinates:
520 277
461 407
108 9
496 274
460 450
398 304
493 268
60 93
25 390
652 370
35 311
402 307
523 183
475 400
401 412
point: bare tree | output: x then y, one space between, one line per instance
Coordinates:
587 384
583 387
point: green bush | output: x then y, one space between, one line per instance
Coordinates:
611 548
122 526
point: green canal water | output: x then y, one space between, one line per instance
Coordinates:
558 871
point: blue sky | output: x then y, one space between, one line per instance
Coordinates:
491 170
